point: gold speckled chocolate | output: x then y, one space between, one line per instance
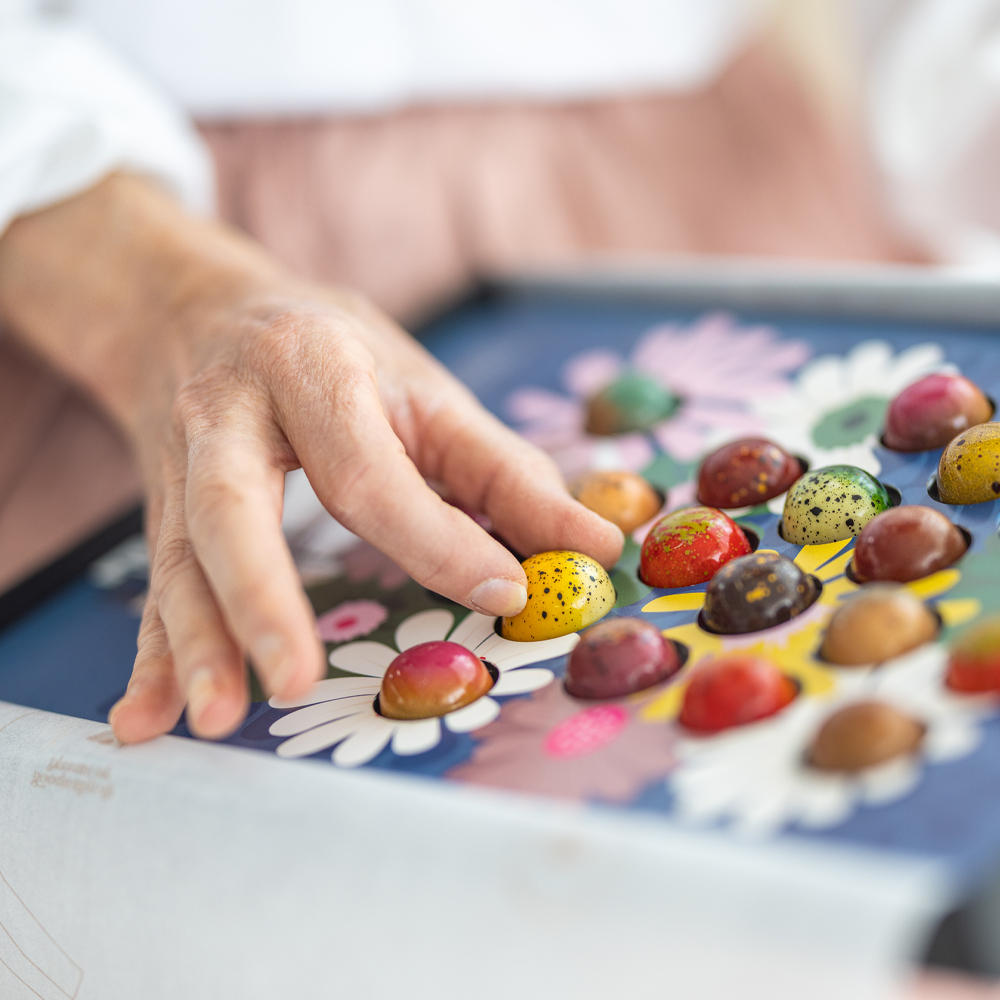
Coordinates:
969 470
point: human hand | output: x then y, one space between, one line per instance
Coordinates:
228 373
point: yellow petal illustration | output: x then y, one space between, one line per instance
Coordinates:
676 602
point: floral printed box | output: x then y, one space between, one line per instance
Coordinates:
819 388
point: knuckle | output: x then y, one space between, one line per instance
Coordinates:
213 500
200 401
297 346
195 395
174 558
152 642
356 488
276 347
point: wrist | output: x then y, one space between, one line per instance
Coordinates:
121 290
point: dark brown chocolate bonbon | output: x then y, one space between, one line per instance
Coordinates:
755 592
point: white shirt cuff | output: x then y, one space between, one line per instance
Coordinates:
71 113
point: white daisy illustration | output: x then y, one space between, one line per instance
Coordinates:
833 412
756 777
340 711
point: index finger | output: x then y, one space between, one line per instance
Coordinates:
490 468
359 469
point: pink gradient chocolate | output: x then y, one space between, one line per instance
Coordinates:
432 679
929 413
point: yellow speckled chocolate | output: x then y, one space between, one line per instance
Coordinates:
567 591
969 470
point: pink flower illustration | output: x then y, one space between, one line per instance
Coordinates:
714 366
586 731
350 619
553 744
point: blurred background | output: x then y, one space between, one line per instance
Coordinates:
409 149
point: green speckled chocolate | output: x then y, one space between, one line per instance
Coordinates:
832 503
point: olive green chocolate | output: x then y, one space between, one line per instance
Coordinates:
633 402
832 503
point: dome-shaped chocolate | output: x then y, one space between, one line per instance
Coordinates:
746 472
757 591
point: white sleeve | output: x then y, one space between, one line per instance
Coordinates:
70 113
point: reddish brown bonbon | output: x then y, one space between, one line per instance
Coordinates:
906 543
619 656
745 473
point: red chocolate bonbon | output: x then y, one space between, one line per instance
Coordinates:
929 413
745 473
906 543
689 546
732 691
617 657
432 679
974 664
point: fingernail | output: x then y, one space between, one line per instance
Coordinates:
274 662
201 691
498 597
